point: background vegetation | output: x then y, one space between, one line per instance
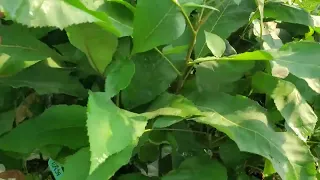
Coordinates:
163 89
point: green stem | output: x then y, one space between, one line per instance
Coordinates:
179 130
168 60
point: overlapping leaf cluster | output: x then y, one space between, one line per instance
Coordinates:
166 89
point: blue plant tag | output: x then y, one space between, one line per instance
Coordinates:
56 169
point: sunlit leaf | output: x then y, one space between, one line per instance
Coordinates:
293 107
245 122
110 129
216 44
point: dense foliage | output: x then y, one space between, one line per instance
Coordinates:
163 89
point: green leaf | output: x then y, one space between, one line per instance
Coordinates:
59 13
110 128
74 55
289 13
293 55
118 76
134 176
20 50
8 96
245 122
107 169
307 93
214 75
165 121
198 167
268 168
153 76
119 15
298 114
163 26
6 121
77 165
58 125
216 44
98 44
51 80
228 19
231 156
149 152
171 105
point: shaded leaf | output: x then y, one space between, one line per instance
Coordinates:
134 176
118 76
231 156
213 75
148 152
228 19
298 114
6 121
153 76
20 50
200 167
48 128
74 55
163 26
98 44
110 129
46 80
245 122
